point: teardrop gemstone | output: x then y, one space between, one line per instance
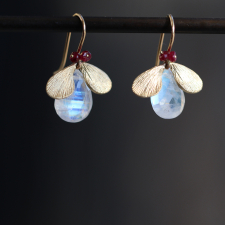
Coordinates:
169 102
76 107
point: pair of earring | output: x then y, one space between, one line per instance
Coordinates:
164 84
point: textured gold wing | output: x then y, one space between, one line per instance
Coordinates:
149 83
187 79
61 85
96 79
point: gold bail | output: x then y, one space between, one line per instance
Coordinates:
161 39
67 43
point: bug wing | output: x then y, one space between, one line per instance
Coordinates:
187 79
96 79
61 85
149 83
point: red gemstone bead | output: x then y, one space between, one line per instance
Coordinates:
164 56
85 56
172 57
74 57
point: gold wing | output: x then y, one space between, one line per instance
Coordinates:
61 85
97 80
187 79
149 83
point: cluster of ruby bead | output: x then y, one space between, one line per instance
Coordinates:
166 55
85 56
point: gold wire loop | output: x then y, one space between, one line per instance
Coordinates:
67 43
161 39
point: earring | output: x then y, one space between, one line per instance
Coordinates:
165 83
71 86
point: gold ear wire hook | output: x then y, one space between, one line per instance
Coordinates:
67 43
162 38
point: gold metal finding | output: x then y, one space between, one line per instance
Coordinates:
149 83
157 61
187 79
96 79
67 43
61 84
161 39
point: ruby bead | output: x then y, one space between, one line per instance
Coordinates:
164 56
74 57
85 56
172 57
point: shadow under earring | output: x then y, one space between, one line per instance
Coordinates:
165 83
72 86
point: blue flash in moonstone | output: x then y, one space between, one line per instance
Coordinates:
169 102
76 107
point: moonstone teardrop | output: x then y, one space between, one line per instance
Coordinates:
169 102
76 107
